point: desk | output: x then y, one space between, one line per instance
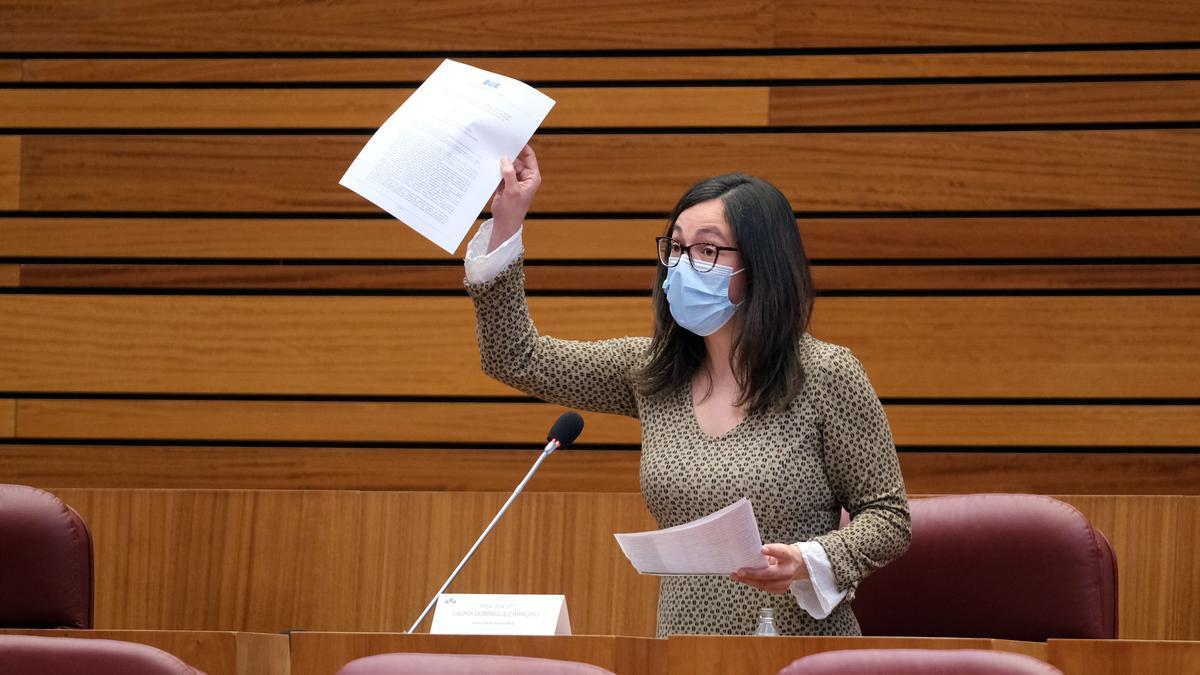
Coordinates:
214 652
323 653
1104 657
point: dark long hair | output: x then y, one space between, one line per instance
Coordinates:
775 310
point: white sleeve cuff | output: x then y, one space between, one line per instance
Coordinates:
818 594
481 266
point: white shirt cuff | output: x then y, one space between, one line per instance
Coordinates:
481 266
818 594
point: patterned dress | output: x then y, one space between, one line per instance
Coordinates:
831 449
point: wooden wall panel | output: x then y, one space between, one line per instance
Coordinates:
11 70
10 172
182 560
1048 102
616 67
355 562
467 25
231 344
956 22
629 239
1044 471
1080 425
835 171
8 418
1154 540
742 106
378 25
590 278
10 275
552 543
949 346
1038 471
1016 344
318 468
474 422
369 108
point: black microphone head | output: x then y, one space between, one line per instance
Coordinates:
566 429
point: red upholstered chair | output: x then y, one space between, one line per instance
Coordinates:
23 654
1003 566
918 662
465 664
45 561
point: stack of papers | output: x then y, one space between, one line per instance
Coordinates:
719 543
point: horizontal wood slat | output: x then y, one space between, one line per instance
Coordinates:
1055 102
8 418
947 346
461 25
337 568
11 70
380 239
966 22
934 104
10 172
467 25
642 172
369 108
1134 473
595 277
10 275
615 67
1035 425
522 423
309 468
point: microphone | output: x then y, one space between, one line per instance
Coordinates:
564 432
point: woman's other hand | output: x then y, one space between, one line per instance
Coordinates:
785 564
519 181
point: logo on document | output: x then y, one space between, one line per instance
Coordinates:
491 83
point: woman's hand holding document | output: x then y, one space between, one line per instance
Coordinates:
719 543
436 161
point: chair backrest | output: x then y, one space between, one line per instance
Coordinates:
918 662
45 561
23 654
465 664
1004 566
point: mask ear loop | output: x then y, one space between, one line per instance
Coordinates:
739 271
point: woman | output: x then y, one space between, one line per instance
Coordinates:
735 400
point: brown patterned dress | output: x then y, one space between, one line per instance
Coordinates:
831 449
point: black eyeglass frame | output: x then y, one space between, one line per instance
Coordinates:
658 242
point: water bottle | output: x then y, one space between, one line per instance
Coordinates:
766 622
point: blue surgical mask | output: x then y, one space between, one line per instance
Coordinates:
699 301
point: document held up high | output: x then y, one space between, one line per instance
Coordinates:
435 163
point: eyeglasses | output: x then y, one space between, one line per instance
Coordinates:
702 256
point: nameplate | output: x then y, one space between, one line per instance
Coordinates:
492 614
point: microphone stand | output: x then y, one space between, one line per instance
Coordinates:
550 447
